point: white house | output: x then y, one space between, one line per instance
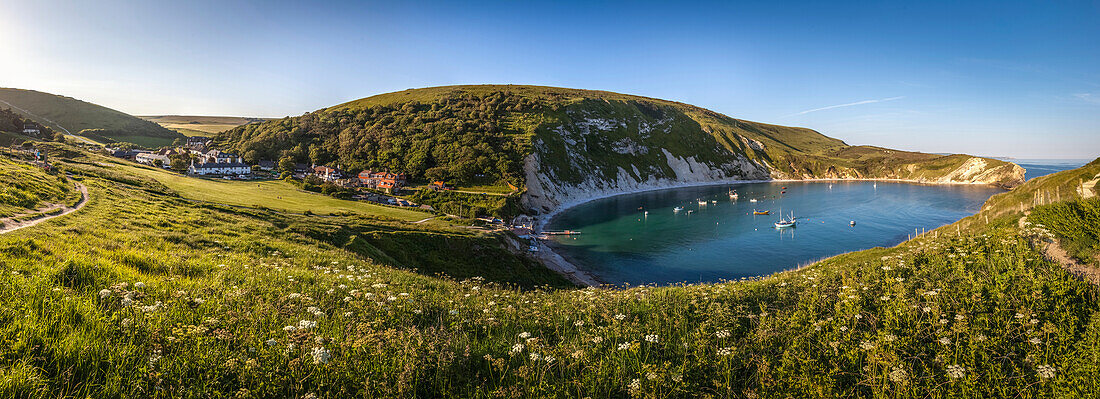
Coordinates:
151 158
219 168
31 128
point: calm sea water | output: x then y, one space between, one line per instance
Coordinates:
724 240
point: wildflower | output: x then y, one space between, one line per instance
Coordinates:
1035 341
651 376
1034 321
651 338
548 359
525 335
722 334
899 375
534 357
956 371
889 338
306 324
290 329
597 340
959 317
635 385
979 338
271 342
866 345
624 346
578 323
926 309
139 285
843 328
1046 371
725 351
320 355
944 340
620 316
315 312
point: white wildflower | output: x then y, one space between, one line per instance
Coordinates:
956 371
320 355
651 338
1046 371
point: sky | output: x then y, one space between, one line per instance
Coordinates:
998 78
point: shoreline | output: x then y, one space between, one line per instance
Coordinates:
561 265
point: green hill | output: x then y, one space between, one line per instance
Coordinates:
67 114
563 145
146 293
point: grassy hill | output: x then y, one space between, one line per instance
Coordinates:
495 135
200 125
144 293
25 187
99 123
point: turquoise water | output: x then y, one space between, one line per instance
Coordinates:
723 240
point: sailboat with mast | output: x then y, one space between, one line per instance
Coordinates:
785 222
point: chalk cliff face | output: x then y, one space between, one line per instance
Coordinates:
594 149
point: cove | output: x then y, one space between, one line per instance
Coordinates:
723 240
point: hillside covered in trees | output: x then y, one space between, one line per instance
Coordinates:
483 134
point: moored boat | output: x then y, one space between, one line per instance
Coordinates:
756 212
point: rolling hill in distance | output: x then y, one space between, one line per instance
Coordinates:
194 125
67 114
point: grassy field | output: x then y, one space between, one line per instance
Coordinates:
273 194
26 187
199 125
145 294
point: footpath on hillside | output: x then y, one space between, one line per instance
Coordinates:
50 211
1049 247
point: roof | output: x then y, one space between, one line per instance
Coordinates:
221 165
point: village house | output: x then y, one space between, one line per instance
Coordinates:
266 165
151 158
31 129
326 173
218 168
382 180
195 142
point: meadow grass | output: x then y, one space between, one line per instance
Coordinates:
25 187
146 294
273 194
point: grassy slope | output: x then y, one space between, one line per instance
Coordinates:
974 315
26 187
792 152
1076 225
75 116
273 194
199 125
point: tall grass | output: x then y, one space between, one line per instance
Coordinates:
144 294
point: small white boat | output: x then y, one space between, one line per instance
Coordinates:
713 201
785 222
702 202
733 195
646 213
752 200
678 209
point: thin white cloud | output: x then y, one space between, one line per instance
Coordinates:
1088 97
850 104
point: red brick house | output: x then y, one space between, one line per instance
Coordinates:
382 180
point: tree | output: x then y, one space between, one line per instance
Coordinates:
286 165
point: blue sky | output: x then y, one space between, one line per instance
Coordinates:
1001 78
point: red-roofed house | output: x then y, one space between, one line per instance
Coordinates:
382 180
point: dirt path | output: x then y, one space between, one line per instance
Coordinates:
1055 253
424 220
10 224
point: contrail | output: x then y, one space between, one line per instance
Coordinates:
850 104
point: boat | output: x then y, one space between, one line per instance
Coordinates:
756 212
752 200
785 223
646 213
691 212
852 223
702 202
713 201
733 194
678 209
